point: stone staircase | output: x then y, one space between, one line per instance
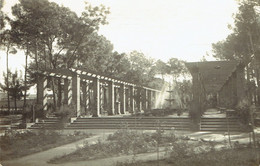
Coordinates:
47 123
220 124
10 122
142 123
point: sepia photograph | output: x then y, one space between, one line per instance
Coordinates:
129 83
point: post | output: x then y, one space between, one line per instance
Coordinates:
42 93
149 106
122 98
59 93
138 99
127 99
84 97
76 93
144 100
96 94
131 95
111 98
67 91
153 99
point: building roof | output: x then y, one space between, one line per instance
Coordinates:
213 73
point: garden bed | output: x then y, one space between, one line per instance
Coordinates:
128 142
17 144
227 157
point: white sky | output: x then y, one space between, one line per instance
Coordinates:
161 29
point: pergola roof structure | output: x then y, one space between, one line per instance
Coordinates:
89 75
213 73
83 88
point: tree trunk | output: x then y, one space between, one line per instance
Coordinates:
37 68
258 88
25 79
7 77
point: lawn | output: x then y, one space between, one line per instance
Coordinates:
17 144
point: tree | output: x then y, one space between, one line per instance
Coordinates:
14 86
2 23
54 34
118 65
140 68
244 42
177 68
6 41
161 68
99 53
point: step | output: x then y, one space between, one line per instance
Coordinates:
220 129
150 125
127 122
137 127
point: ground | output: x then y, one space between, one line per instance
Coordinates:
41 158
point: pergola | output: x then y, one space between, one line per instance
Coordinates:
89 90
222 78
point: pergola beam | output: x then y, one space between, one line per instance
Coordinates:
75 79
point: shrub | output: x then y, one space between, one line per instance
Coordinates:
243 112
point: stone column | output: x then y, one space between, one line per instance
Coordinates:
42 91
87 97
96 94
84 97
67 91
111 98
156 99
149 104
131 96
144 99
138 99
127 99
59 93
122 98
153 99
76 93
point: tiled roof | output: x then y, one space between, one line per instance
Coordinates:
214 73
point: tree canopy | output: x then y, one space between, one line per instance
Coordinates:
243 43
53 37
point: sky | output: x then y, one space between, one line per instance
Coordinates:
161 29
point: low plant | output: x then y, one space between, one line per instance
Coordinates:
243 112
15 144
122 142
